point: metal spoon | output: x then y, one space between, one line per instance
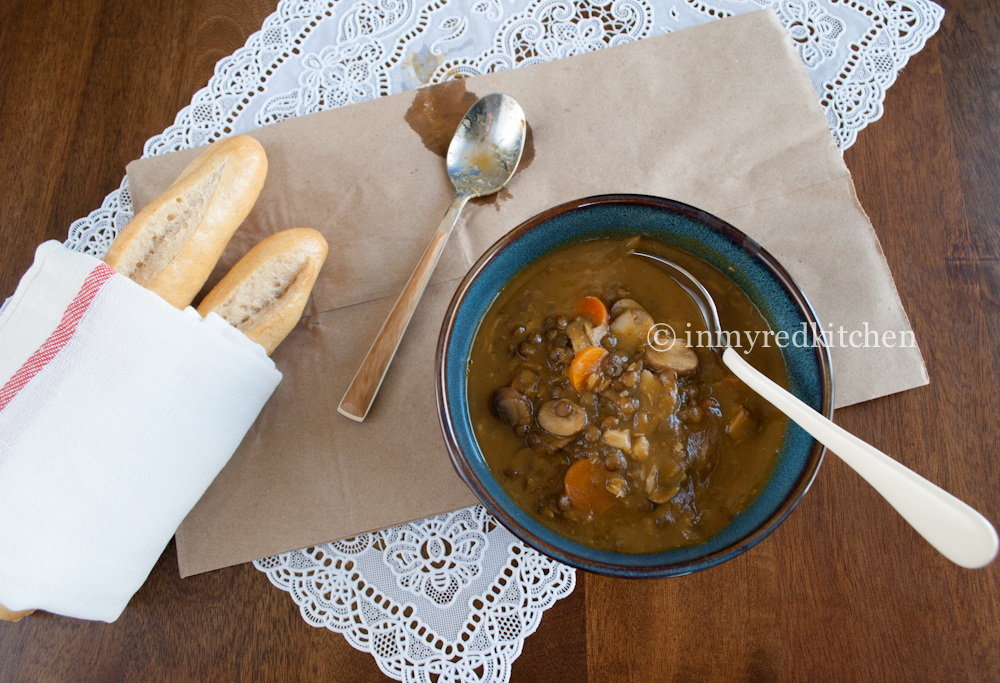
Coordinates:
960 533
482 157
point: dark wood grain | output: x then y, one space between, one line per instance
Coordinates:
717 625
843 591
885 579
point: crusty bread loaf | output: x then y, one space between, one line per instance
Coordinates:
264 294
172 245
9 615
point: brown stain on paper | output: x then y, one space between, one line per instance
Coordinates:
435 114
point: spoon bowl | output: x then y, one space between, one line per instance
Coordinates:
487 146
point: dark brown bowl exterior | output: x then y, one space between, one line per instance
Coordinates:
692 230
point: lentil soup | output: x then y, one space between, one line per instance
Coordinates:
596 427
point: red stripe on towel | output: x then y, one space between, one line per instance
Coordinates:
59 337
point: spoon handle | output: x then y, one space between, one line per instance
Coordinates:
960 533
361 394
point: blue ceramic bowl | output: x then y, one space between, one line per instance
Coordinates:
755 271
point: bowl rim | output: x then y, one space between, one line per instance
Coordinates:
802 482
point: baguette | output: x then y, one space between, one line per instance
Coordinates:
265 292
172 245
8 615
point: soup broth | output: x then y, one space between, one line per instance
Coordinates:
599 409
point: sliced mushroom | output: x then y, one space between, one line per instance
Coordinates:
598 333
674 355
631 328
582 334
741 426
658 493
625 305
579 335
618 438
617 486
651 479
562 417
546 443
663 495
513 409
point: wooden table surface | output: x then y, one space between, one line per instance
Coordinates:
843 591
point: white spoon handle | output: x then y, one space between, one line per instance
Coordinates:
960 533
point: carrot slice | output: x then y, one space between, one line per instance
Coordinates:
586 485
586 361
591 308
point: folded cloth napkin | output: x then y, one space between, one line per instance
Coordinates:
116 412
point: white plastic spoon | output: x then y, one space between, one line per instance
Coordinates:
957 531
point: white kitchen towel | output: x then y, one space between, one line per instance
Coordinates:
116 412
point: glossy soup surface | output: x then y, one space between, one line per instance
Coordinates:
605 432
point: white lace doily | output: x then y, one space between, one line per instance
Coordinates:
312 55
453 597
446 600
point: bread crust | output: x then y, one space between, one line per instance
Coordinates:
266 291
172 245
10 615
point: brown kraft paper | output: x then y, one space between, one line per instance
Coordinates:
721 116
